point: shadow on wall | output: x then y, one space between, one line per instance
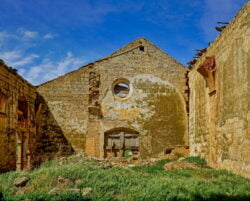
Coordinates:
51 142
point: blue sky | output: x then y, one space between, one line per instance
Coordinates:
47 38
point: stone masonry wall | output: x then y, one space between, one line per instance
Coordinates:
17 142
219 123
84 107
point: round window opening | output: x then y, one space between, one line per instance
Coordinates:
121 89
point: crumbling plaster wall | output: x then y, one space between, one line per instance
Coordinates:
155 109
12 86
219 124
84 107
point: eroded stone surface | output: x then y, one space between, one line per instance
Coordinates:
151 117
219 122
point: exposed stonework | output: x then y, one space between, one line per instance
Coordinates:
219 123
17 121
207 70
86 109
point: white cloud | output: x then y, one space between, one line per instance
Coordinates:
29 34
16 58
20 40
4 36
23 34
49 36
13 47
10 56
49 69
25 60
17 53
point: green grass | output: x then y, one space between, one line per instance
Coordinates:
146 183
153 169
199 161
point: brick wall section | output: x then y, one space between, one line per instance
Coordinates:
12 86
219 125
79 102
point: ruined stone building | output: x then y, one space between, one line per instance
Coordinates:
138 99
137 94
17 120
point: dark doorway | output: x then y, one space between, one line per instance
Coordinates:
22 135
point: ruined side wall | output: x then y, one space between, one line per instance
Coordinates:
12 86
219 124
79 101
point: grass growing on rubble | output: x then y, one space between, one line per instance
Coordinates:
143 183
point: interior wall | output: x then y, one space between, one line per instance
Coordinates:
12 86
